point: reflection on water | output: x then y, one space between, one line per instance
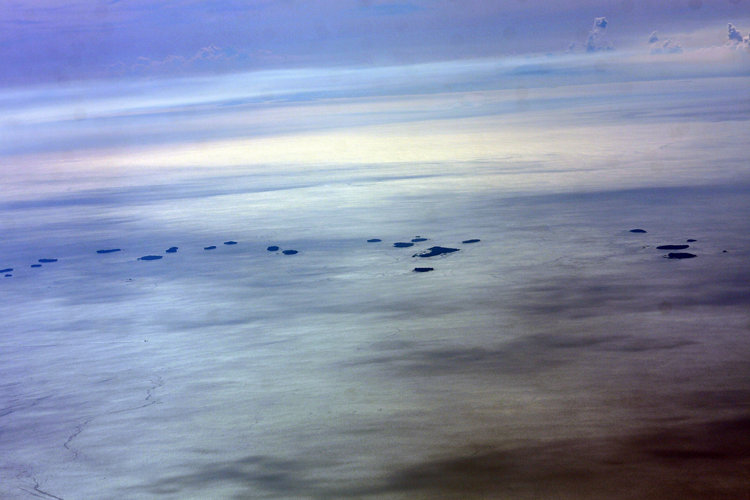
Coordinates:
550 352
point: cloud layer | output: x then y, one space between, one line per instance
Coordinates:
50 42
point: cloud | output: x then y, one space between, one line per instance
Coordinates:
735 38
210 58
668 46
596 40
701 50
733 34
208 54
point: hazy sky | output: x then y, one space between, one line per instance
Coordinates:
49 40
104 85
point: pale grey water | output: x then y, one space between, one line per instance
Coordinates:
561 356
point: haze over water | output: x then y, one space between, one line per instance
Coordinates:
560 356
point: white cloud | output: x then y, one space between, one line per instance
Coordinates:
208 59
211 56
597 40
733 34
668 46
705 47
735 38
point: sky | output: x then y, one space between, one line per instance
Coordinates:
120 75
51 41
119 93
116 76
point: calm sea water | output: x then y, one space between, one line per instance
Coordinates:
560 355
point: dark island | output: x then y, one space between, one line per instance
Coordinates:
423 269
150 257
680 255
434 251
672 247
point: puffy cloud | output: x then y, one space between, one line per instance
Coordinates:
735 38
596 40
733 34
730 57
668 46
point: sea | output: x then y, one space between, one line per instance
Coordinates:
549 349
